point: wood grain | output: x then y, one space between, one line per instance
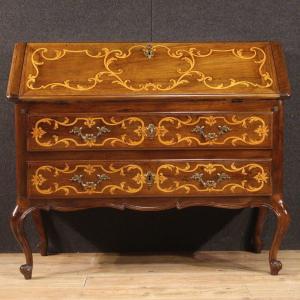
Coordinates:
155 178
175 70
200 275
15 74
281 70
149 130
203 127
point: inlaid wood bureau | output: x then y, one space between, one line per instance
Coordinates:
148 127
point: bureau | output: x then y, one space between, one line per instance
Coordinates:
148 127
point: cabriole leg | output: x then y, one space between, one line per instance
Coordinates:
283 220
38 221
17 226
257 238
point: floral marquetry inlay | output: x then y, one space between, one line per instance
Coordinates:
148 127
161 178
184 63
243 136
126 127
169 131
243 182
49 179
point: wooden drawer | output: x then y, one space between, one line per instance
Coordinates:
66 132
76 179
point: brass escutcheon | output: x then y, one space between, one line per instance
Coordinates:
148 51
150 177
151 131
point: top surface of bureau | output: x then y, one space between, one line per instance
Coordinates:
103 71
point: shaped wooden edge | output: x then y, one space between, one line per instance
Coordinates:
15 75
146 204
281 70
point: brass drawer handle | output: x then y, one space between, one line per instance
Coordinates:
90 137
210 183
150 178
222 129
89 185
148 51
151 131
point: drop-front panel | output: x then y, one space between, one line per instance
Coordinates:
148 127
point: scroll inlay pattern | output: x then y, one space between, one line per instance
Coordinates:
168 131
187 57
167 178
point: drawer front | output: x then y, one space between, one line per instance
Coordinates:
67 179
149 131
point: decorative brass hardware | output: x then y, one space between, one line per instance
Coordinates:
150 177
210 183
255 136
49 179
90 137
148 51
167 178
151 131
121 137
211 135
89 185
257 131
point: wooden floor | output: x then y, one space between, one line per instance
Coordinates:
202 275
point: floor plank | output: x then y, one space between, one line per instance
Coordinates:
205 275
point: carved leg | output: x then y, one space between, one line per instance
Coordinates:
43 243
283 220
17 227
261 218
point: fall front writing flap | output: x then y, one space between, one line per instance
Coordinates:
125 70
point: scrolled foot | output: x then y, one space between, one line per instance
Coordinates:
283 220
275 266
26 270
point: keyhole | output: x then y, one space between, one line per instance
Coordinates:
149 179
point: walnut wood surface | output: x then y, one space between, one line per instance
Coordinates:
150 175
43 241
98 71
281 70
155 178
17 227
257 240
149 130
13 86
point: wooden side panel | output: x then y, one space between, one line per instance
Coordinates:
129 70
281 71
16 71
167 178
